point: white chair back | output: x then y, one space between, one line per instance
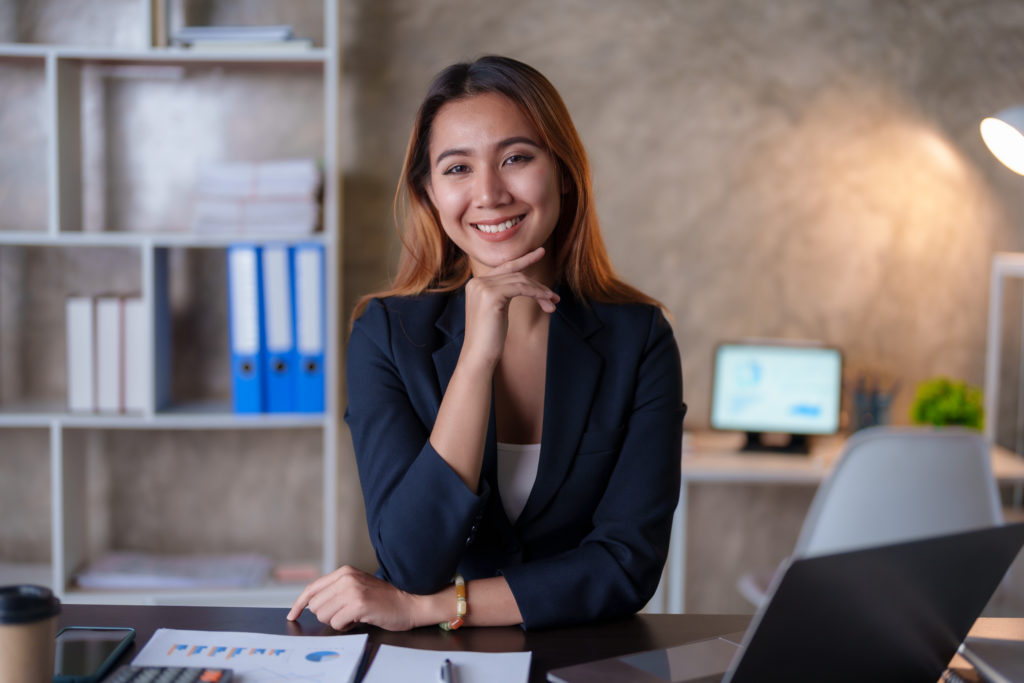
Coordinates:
894 484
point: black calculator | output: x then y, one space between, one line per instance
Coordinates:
168 674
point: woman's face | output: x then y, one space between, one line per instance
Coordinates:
495 187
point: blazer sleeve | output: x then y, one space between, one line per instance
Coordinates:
420 515
615 570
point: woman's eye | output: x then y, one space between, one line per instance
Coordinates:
456 169
517 158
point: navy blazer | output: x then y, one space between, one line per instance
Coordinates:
592 538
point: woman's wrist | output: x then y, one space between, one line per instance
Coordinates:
432 609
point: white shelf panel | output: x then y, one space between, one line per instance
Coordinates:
271 595
24 50
135 239
192 416
316 56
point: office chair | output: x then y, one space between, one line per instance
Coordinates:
894 484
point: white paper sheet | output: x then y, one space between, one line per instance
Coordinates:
404 664
258 657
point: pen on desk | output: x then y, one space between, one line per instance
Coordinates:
446 672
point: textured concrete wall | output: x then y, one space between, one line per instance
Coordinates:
795 169
792 169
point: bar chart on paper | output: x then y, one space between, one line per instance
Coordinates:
258 657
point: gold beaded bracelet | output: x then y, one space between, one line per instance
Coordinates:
460 606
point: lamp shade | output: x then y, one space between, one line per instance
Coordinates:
1004 136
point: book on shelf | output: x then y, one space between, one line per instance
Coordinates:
189 34
80 339
290 45
256 216
268 198
138 570
106 354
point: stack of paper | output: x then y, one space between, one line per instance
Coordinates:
126 570
393 663
271 198
240 38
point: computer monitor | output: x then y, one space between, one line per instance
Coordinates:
782 388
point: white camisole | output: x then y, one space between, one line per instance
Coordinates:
517 471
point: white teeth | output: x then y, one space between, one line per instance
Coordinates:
497 227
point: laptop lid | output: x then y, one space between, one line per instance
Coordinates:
894 612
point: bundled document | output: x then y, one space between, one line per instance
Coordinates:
240 38
135 570
267 199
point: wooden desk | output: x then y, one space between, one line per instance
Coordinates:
551 648
714 458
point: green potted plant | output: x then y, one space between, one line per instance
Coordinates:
941 401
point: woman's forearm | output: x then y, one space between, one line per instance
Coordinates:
489 603
460 430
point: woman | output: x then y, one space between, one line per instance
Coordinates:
516 410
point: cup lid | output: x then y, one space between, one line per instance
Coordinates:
25 603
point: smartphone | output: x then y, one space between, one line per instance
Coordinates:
85 653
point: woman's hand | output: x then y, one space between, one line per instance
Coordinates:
348 596
487 302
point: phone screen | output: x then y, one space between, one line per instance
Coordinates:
85 651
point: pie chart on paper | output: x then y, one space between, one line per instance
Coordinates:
324 656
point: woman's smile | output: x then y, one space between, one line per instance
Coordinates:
500 230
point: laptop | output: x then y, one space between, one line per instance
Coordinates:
894 612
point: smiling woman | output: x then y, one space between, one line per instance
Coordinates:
516 409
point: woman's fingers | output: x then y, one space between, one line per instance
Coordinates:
348 596
314 589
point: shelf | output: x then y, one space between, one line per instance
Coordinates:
271 595
156 239
316 56
193 416
103 147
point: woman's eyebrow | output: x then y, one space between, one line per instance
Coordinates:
507 142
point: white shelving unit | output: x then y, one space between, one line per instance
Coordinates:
149 251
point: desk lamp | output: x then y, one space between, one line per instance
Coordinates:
1004 136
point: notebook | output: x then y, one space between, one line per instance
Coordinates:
894 612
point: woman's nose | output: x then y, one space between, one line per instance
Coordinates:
491 189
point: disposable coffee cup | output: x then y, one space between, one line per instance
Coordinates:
28 627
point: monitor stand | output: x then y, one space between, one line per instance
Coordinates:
793 444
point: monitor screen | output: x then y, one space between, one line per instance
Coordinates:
776 388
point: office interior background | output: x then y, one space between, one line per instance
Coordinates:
796 169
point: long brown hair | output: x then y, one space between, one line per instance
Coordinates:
430 261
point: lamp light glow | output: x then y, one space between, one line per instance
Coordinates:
1003 136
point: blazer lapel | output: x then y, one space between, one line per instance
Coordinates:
572 377
452 322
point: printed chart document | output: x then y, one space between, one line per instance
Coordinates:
258 657
392 663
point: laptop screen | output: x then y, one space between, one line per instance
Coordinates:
776 388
